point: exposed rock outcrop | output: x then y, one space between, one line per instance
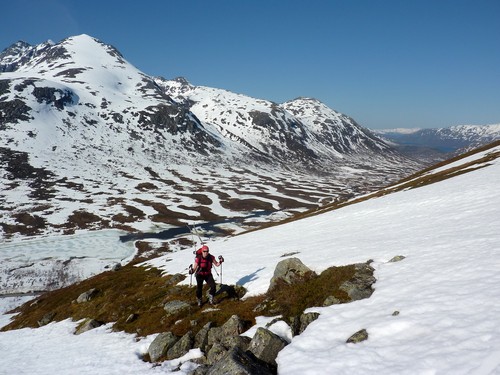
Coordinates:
289 271
160 345
360 286
88 325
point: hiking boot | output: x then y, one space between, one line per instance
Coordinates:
199 301
211 300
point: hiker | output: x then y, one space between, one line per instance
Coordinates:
202 268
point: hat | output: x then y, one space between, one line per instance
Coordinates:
204 247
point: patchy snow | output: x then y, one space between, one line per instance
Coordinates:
445 291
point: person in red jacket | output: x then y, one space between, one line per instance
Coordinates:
202 268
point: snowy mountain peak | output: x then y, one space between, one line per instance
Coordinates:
79 112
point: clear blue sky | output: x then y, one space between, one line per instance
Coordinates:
387 64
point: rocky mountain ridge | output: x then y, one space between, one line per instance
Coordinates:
88 141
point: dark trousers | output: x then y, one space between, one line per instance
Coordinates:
209 279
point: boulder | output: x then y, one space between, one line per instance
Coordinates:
242 342
290 271
87 325
46 319
331 300
299 323
233 327
266 345
359 336
306 319
397 258
201 338
360 285
176 307
219 349
160 345
87 296
216 353
181 347
116 267
238 362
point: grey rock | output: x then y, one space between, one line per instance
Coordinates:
87 296
266 345
242 342
88 325
202 369
360 285
306 319
160 345
116 267
46 319
181 347
331 300
290 271
358 337
397 258
220 348
299 324
238 362
201 338
176 307
233 327
216 353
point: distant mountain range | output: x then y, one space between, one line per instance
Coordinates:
89 141
443 142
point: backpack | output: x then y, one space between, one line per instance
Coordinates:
204 264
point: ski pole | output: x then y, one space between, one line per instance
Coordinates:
215 269
190 275
221 260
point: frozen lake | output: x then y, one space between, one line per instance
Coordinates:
53 262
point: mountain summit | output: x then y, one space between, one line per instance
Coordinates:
89 141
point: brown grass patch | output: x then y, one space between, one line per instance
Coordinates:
143 292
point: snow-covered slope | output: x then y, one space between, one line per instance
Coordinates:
88 141
434 312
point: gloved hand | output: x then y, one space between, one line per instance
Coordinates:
221 259
191 270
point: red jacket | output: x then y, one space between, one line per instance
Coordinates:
204 264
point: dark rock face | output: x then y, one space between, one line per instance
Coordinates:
51 95
11 111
